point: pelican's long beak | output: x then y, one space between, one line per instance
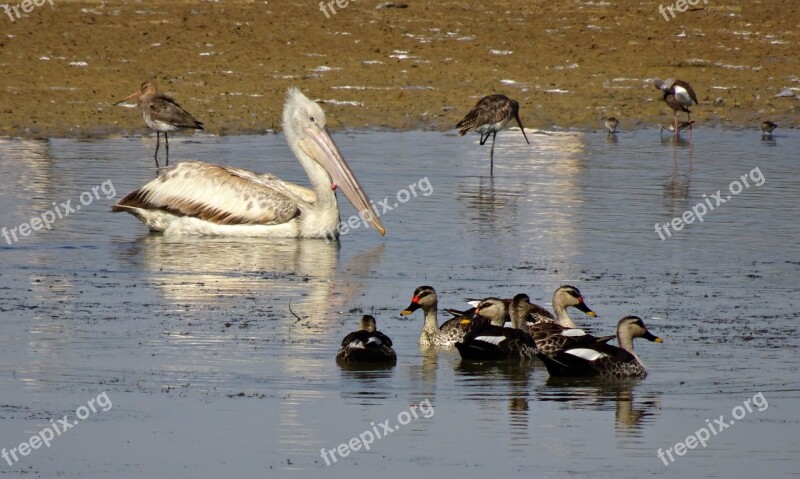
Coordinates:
521 128
325 152
133 95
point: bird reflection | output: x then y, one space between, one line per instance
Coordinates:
492 380
492 208
599 394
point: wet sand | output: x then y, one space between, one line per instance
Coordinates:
568 63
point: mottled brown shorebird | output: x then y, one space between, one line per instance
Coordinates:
679 96
611 125
490 115
767 127
161 113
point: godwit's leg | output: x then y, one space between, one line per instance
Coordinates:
166 140
484 137
491 154
158 142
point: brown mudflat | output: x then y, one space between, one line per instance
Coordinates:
569 64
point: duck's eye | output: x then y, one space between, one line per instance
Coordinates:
312 119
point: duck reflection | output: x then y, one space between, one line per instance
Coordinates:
492 381
631 415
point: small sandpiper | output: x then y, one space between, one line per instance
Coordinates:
767 127
611 124
671 127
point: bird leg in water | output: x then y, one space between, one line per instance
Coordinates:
491 155
166 140
158 142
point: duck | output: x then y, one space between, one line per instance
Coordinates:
486 341
433 335
564 297
602 359
367 345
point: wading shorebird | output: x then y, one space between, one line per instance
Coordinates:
611 125
367 345
196 198
161 113
602 359
679 96
490 115
767 127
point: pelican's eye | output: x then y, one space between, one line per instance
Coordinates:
312 119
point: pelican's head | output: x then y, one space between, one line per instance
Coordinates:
304 126
148 87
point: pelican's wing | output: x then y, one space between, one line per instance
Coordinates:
219 194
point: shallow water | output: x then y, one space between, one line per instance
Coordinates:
210 374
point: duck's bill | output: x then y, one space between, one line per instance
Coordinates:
651 337
582 306
410 309
521 128
319 145
132 96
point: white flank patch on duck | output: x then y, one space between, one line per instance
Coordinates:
587 354
491 339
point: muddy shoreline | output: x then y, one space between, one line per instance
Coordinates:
421 67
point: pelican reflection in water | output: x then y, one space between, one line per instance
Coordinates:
196 198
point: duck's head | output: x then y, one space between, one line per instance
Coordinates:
424 297
569 295
368 324
633 327
493 309
520 310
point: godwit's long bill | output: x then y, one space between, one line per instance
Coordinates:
195 198
679 96
490 115
161 113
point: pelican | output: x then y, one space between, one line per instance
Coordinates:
161 113
679 96
196 198
491 114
